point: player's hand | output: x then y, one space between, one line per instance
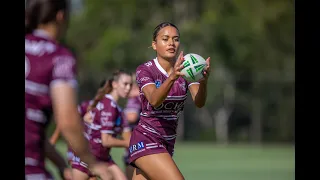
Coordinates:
67 174
87 117
177 67
100 169
206 72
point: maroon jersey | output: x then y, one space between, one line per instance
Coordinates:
107 118
46 64
82 108
161 120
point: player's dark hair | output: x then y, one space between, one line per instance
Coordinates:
160 26
42 12
106 87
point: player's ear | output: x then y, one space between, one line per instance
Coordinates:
114 84
60 16
154 47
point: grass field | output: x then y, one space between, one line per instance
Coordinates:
233 162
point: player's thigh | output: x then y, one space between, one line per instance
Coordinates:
116 172
159 166
79 175
129 171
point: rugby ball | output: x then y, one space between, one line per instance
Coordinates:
193 66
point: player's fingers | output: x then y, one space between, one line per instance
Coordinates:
179 59
208 61
180 74
180 67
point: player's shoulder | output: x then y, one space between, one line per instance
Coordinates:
107 102
146 65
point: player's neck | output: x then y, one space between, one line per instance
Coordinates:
50 29
167 65
114 96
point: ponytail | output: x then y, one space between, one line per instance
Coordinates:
105 89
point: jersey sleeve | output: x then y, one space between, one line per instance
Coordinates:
64 69
108 116
191 83
144 76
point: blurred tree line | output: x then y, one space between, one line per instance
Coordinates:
250 42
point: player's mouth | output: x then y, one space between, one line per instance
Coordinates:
171 50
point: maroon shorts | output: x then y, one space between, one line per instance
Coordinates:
143 143
76 163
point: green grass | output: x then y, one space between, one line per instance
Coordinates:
234 162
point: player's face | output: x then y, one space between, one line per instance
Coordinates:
123 85
167 43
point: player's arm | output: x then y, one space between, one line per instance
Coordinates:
132 111
63 95
55 136
156 96
52 154
109 141
132 116
199 93
199 90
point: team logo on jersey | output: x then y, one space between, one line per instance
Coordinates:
183 86
26 66
158 83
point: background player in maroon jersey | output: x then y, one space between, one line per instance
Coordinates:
107 124
132 113
163 92
49 87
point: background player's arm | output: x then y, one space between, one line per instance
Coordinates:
109 141
64 105
126 135
132 117
68 119
55 157
55 136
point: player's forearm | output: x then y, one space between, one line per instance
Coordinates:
55 136
54 156
126 135
201 96
161 93
114 142
73 133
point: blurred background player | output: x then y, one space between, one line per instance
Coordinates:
163 92
50 87
107 123
132 114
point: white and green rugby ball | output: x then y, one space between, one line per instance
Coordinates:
193 67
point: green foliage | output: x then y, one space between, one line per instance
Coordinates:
251 42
